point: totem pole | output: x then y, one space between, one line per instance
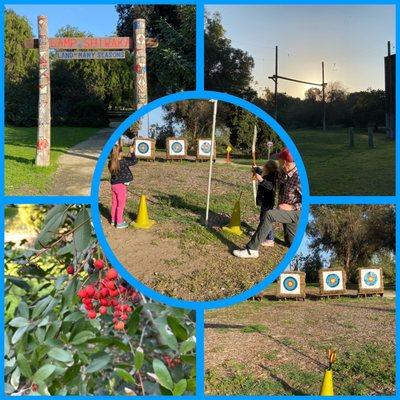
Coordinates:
139 40
44 119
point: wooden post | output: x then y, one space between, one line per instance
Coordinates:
351 137
323 99
139 43
276 82
44 119
370 137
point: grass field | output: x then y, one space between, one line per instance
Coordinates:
21 175
334 168
180 256
279 347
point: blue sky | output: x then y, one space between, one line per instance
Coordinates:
351 40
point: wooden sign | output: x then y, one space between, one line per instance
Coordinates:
145 148
204 149
332 281
90 55
291 284
176 148
85 43
370 280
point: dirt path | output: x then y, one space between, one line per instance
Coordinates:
279 347
76 167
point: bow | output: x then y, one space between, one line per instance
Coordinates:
253 153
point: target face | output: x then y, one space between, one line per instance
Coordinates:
333 280
143 148
290 284
370 278
205 147
177 148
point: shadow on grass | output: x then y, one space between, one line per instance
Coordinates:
391 311
21 160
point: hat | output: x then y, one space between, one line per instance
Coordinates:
285 155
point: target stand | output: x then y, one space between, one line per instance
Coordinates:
204 150
176 149
145 149
370 281
332 282
291 285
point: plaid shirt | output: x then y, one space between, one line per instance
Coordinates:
289 188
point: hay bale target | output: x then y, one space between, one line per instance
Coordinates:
176 149
145 148
332 281
204 149
370 281
292 285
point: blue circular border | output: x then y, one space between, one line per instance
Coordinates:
199 305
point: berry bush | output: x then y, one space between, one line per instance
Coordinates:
75 327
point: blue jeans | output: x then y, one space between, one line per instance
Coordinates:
263 214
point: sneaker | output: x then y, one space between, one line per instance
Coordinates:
122 225
268 243
112 223
246 253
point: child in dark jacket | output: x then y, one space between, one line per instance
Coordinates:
121 176
266 193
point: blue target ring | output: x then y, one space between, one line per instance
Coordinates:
176 147
332 280
371 278
143 148
206 147
290 284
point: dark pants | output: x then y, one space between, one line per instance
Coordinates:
263 214
289 219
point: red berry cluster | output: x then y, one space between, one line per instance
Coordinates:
171 362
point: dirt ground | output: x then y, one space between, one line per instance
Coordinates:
179 256
279 347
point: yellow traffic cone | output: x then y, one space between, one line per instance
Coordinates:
234 224
142 219
327 384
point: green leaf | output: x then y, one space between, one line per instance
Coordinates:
133 321
19 282
67 249
126 376
43 373
162 374
23 309
139 358
18 334
60 355
82 337
40 306
18 322
108 342
58 209
177 328
73 317
15 378
98 363
188 345
71 373
24 366
166 334
180 387
50 230
83 234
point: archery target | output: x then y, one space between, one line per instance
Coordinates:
332 280
177 147
143 148
290 284
204 147
370 278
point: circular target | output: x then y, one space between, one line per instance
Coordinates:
206 147
143 148
332 280
371 278
290 283
176 147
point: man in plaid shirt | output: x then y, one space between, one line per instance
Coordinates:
288 211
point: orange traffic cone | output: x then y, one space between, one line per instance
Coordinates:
142 220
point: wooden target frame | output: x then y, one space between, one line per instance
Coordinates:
363 285
204 156
151 154
291 277
176 156
324 273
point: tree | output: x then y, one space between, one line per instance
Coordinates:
227 69
353 233
75 327
171 66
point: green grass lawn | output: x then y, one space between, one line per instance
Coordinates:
334 168
22 177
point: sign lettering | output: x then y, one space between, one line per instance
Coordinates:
90 55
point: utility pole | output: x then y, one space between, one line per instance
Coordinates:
276 82
323 99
